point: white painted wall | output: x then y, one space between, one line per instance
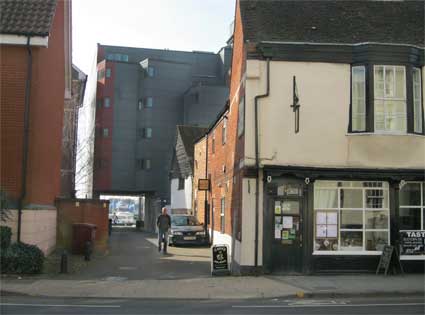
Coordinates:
181 199
324 92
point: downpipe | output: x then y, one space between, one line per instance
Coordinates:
25 142
257 162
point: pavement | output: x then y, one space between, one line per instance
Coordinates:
134 269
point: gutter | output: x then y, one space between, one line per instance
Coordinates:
25 140
257 162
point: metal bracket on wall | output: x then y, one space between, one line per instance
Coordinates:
296 106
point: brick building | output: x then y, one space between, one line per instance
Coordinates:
316 163
35 71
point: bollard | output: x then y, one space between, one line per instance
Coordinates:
64 262
87 251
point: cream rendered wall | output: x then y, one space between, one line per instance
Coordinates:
324 93
181 199
38 228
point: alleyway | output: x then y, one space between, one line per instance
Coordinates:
134 255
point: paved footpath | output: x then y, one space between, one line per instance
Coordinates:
135 269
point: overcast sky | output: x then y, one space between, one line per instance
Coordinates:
173 24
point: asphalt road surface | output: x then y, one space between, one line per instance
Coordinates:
383 305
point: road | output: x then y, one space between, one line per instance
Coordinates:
37 305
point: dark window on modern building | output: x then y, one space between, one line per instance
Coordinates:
147 133
108 72
107 102
181 184
386 99
140 104
222 214
224 131
151 71
149 102
143 164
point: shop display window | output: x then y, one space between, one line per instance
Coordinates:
412 209
351 216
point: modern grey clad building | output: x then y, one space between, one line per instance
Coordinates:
142 94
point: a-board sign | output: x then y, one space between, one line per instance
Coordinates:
412 242
203 184
389 255
220 260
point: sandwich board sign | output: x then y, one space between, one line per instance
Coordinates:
220 260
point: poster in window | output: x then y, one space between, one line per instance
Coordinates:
285 234
320 230
277 207
321 218
332 218
287 222
277 220
277 233
332 231
281 190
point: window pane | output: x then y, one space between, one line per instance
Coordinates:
358 99
376 240
107 102
290 207
326 244
395 123
351 198
410 219
410 194
379 81
351 241
399 82
325 198
351 219
417 100
376 219
389 82
377 199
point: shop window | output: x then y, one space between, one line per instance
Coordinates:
351 216
412 206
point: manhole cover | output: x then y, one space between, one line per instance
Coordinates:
115 279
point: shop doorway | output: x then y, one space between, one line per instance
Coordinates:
287 234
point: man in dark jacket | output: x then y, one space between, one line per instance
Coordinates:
164 224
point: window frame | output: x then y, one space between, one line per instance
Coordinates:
420 207
421 99
223 215
364 209
108 72
181 183
106 102
105 132
146 102
224 132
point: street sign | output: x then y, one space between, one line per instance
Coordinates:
220 260
203 184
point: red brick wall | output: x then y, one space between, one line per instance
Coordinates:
104 119
229 183
198 197
92 211
46 116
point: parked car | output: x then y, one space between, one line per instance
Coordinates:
186 229
123 218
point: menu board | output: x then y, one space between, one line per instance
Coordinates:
220 262
412 242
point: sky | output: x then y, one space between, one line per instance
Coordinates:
173 24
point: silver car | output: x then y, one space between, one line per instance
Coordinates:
186 229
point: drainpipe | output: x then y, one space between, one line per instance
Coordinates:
206 214
25 142
257 163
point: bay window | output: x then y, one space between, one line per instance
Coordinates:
386 99
350 217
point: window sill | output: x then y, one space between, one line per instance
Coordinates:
347 253
412 257
359 134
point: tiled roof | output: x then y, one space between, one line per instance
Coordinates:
26 17
400 22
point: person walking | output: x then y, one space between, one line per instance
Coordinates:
164 224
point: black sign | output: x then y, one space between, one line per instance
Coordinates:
412 242
389 257
220 261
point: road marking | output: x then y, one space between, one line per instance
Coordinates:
61 305
324 305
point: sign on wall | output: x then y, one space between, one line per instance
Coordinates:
203 184
412 243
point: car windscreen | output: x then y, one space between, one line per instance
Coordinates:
184 221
